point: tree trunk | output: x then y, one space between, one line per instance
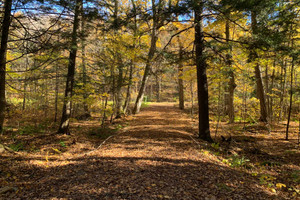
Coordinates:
150 90
203 108
229 90
128 92
283 88
113 87
104 113
158 87
66 112
192 99
84 76
25 84
120 64
261 95
232 87
291 101
140 96
4 38
119 91
56 93
180 74
271 92
267 88
24 95
259 84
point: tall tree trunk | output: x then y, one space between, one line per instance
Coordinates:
271 92
119 90
4 38
140 96
192 99
267 90
25 83
84 76
283 89
291 101
128 92
259 83
56 93
120 64
261 95
157 87
229 90
24 95
66 112
203 108
150 90
113 87
180 74
232 87
104 113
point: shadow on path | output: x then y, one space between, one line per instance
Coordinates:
154 158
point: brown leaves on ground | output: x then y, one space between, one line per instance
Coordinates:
155 156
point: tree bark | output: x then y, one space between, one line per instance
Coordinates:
271 92
140 96
291 101
259 83
203 108
66 112
192 99
3 48
180 74
104 113
56 94
267 92
25 84
128 92
283 89
113 87
229 90
119 90
120 64
84 76
261 95
157 87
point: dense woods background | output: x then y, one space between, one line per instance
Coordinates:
114 53
235 62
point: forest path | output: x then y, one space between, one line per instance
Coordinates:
154 157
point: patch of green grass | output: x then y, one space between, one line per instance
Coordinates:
6 129
224 187
62 143
15 101
270 163
237 161
237 118
296 176
17 146
110 103
118 126
31 129
290 152
267 179
216 146
101 133
145 104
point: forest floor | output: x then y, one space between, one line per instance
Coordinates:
152 155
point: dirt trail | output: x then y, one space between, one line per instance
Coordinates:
152 158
